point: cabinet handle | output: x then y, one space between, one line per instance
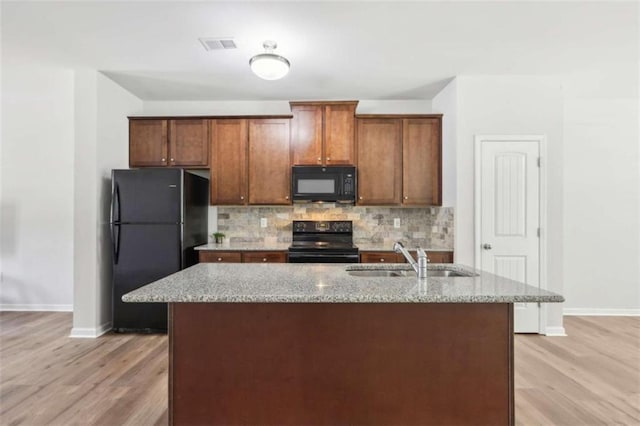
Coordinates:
328 159
381 259
164 159
242 197
406 198
286 198
359 198
219 259
264 259
319 160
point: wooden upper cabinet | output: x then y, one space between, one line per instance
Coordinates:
421 162
189 142
339 133
269 162
229 144
306 135
148 143
379 161
161 142
323 133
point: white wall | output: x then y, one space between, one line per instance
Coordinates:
602 217
102 144
37 187
511 105
446 102
366 106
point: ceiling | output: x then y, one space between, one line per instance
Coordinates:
338 50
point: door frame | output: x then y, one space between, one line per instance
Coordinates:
541 140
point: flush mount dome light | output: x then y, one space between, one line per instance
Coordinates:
269 66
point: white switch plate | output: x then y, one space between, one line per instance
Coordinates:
263 222
396 222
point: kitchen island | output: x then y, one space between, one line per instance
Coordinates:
316 344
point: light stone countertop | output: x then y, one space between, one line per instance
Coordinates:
389 247
276 246
262 246
331 283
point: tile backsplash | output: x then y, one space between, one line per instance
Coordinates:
429 227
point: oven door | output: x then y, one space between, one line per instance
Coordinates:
323 258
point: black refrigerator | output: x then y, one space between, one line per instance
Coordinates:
157 217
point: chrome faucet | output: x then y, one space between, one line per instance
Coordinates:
420 266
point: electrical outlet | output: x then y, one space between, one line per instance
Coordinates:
263 222
396 222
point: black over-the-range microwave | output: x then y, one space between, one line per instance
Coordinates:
331 184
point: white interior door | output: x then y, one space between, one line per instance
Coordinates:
509 208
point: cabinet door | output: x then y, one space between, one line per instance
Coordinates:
147 143
379 161
189 143
421 162
214 256
228 162
264 257
379 257
269 164
339 134
306 135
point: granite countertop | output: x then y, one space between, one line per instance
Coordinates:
331 283
278 246
389 247
262 246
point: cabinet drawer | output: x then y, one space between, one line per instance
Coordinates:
436 256
440 256
264 257
379 257
212 256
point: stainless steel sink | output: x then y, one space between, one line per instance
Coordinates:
378 273
394 271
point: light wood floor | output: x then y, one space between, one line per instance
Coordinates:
590 377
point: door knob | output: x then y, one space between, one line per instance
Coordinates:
486 246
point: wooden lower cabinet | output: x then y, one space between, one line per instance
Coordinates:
438 256
379 257
213 256
264 257
341 364
392 257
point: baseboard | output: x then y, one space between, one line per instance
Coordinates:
554 331
90 333
36 308
587 312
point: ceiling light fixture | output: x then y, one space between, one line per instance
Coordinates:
269 66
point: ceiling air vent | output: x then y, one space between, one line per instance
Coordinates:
218 43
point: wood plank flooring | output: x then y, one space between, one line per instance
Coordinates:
591 377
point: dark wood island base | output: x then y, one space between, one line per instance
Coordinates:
339 364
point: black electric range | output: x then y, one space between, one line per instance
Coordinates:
323 242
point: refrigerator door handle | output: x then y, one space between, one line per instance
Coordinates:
115 203
115 240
